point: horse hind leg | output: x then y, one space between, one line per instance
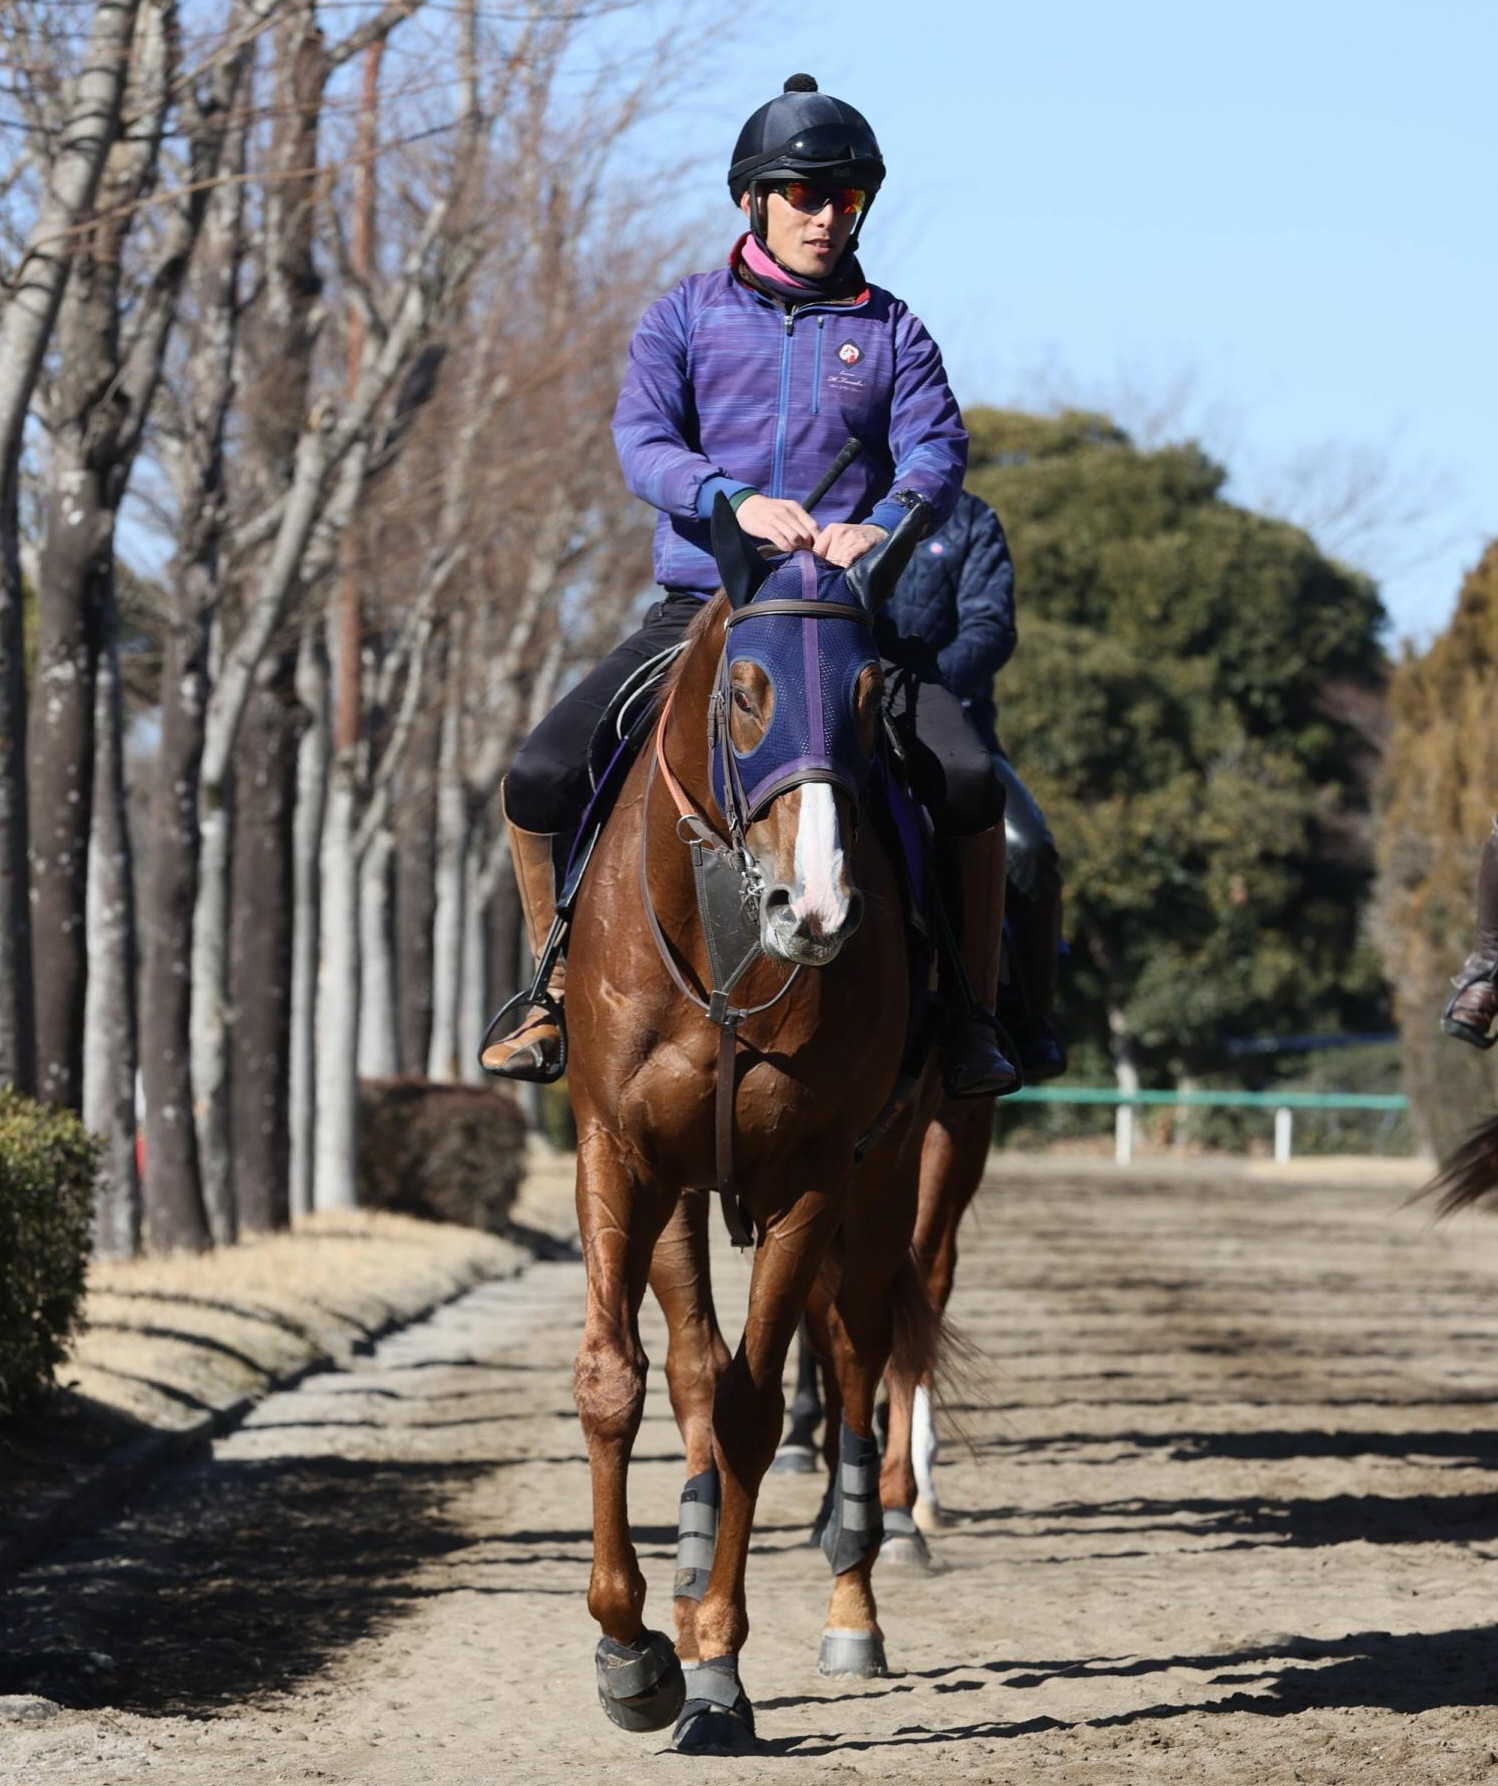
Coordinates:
928 1513
904 1546
696 1358
640 1682
797 1455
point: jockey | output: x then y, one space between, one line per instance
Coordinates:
1470 1011
957 600
746 382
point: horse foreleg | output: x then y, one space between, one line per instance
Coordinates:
717 1717
639 1677
861 1326
695 1359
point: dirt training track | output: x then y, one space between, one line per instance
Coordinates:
1229 1517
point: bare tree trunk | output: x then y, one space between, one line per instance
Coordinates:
210 1000
311 801
333 1183
415 893
452 844
260 950
37 284
474 985
17 1028
60 759
110 1056
175 1216
378 1054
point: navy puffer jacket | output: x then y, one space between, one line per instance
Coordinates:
957 598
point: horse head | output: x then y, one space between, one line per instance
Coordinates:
795 724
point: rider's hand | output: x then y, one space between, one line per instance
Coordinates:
783 523
845 542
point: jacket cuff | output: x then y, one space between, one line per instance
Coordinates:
888 514
730 487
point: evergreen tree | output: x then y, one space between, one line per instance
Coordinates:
1195 703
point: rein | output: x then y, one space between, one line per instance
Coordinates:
710 862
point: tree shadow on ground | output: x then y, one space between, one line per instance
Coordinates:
1475 1449
1408 1673
241 1578
1301 1522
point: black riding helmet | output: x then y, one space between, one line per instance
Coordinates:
804 134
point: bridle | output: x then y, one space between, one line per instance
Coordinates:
728 881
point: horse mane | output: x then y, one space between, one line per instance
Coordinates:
701 623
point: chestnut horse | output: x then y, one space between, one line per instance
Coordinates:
766 739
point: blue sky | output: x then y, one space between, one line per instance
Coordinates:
1270 227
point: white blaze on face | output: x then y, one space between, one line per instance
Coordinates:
821 901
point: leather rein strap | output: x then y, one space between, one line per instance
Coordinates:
716 1007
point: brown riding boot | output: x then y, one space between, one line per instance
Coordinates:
533 1049
1469 1014
973 1065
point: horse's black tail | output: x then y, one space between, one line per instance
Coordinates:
1470 1173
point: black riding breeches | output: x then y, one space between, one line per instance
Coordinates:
548 787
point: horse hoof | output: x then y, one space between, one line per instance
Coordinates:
856 1653
903 1546
794 1460
717 1718
930 1515
640 1684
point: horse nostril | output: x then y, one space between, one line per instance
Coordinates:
777 897
855 913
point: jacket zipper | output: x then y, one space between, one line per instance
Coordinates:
783 413
816 368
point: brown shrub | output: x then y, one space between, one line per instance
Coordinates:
449 1153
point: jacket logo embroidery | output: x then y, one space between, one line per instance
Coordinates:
850 353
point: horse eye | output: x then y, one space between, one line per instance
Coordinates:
742 701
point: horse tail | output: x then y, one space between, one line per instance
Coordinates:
1470 1173
920 1332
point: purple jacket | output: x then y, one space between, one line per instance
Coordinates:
727 391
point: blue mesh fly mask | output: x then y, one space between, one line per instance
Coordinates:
806 631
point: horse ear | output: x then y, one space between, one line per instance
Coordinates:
739 565
873 578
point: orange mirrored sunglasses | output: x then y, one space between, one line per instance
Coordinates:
806 195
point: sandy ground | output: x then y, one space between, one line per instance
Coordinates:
1227 1516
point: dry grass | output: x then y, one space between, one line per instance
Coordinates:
166 1338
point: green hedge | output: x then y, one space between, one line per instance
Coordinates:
48 1164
